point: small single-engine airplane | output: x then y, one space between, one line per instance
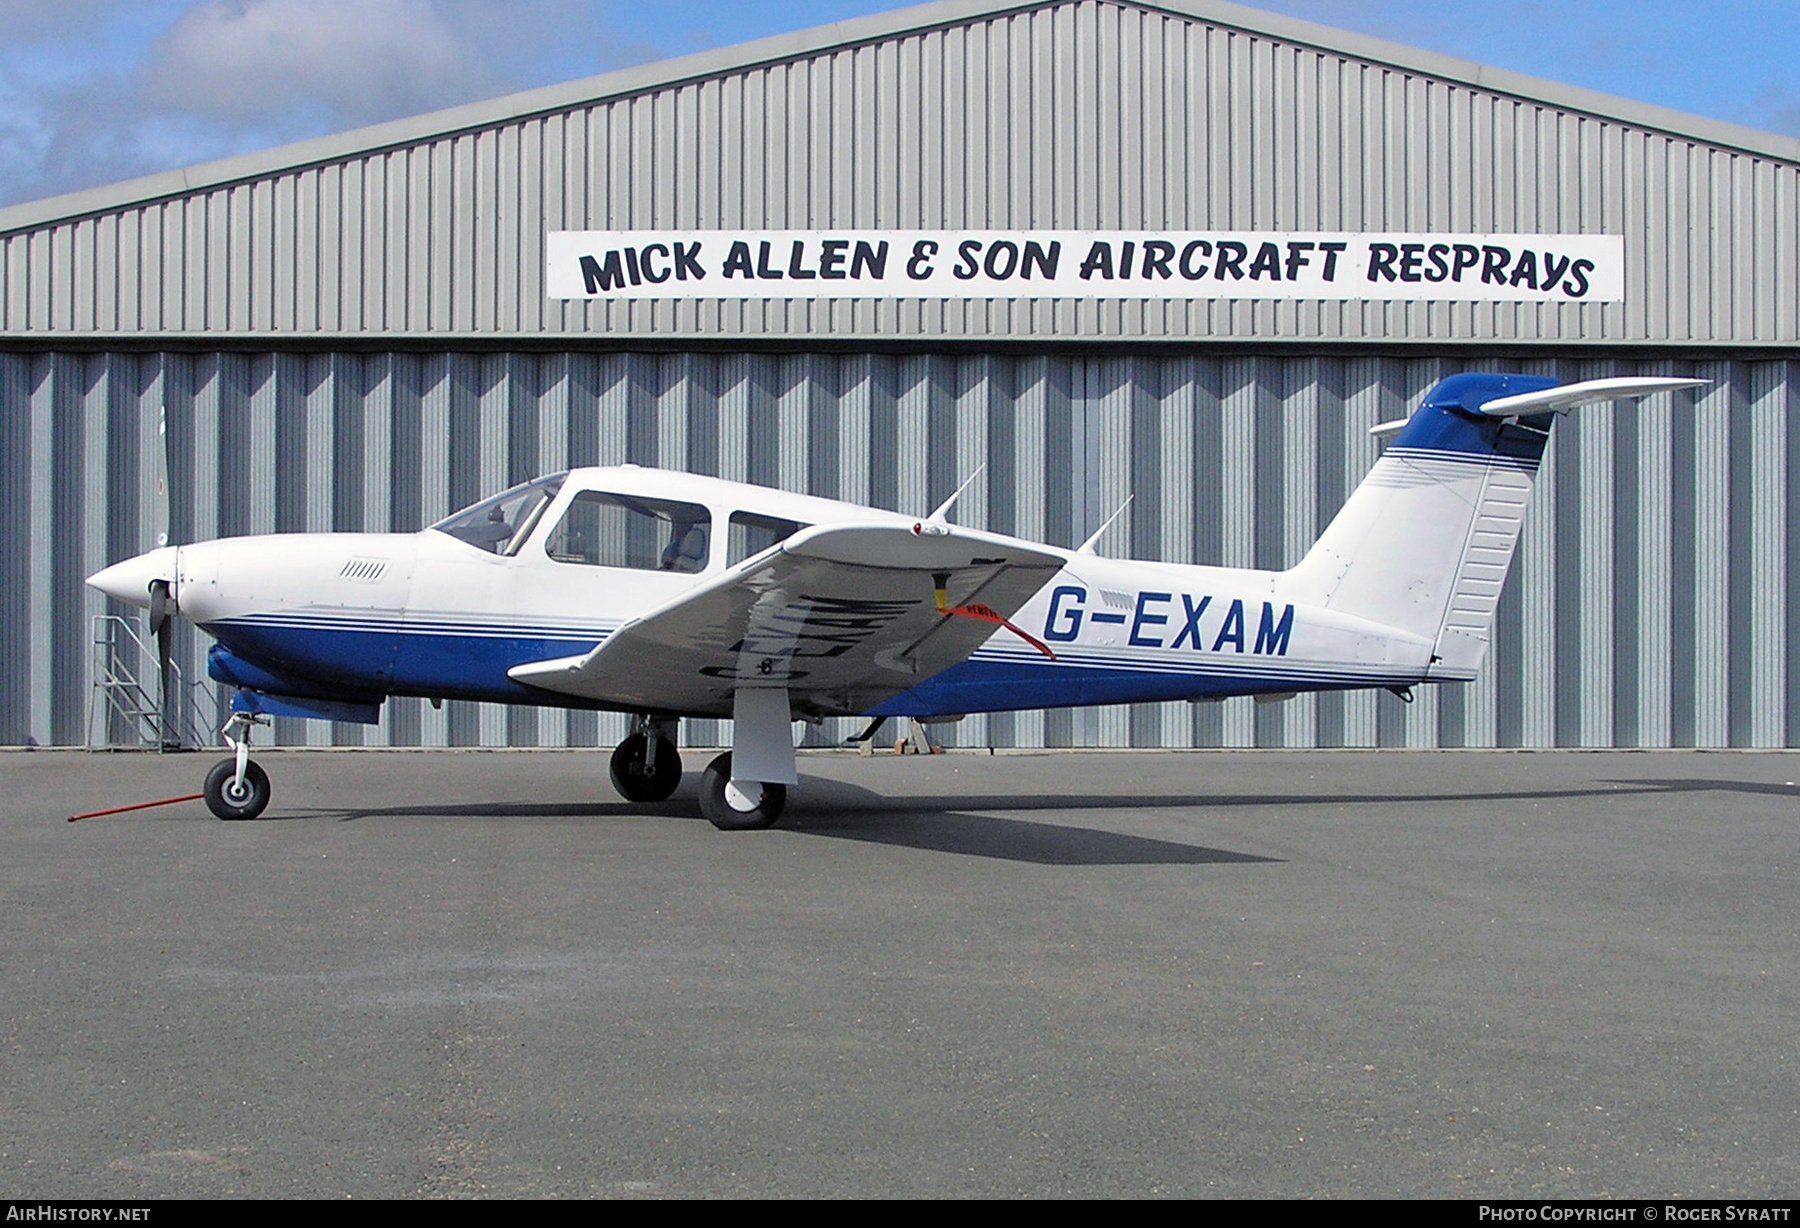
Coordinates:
668 595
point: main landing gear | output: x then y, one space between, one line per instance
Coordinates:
746 787
645 766
238 788
738 805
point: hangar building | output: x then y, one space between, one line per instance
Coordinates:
355 333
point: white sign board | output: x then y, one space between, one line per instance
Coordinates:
634 264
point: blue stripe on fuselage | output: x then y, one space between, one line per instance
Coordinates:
985 685
471 664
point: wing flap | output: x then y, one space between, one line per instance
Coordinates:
843 616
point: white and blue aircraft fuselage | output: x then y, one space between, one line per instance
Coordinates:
670 594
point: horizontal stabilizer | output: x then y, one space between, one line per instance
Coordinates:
1565 397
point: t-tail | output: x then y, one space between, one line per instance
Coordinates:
1424 544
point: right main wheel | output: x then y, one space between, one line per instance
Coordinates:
634 782
731 807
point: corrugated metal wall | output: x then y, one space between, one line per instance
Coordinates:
1654 601
1086 114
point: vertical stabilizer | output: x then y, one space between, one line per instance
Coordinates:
1424 543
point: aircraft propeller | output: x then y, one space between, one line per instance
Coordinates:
162 592
162 626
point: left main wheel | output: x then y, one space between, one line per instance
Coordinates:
729 806
228 799
633 780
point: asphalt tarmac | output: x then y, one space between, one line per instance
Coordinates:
1037 975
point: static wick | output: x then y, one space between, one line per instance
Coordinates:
167 801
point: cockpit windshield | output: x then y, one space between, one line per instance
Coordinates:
501 524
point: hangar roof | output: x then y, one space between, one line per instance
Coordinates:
1078 114
879 27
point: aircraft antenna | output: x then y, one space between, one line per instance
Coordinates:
943 509
1087 547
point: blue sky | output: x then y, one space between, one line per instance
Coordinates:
93 91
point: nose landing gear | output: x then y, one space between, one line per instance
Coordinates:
237 788
230 797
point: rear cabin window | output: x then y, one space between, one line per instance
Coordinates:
752 534
607 530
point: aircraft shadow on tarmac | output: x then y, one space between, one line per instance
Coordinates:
966 824
942 824
958 825
955 823
1705 786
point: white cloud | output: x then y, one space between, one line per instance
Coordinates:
94 91
344 62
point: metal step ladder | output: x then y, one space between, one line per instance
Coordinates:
124 695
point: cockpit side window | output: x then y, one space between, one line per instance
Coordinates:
607 530
752 534
501 524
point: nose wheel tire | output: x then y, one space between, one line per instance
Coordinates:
633 780
229 799
745 806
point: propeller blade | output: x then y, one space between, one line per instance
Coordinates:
162 606
162 594
159 508
162 626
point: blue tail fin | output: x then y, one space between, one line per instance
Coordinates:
1449 419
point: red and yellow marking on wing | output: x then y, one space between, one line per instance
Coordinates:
985 613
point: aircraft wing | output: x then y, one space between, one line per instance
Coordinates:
845 616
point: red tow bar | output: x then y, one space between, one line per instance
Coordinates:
167 801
